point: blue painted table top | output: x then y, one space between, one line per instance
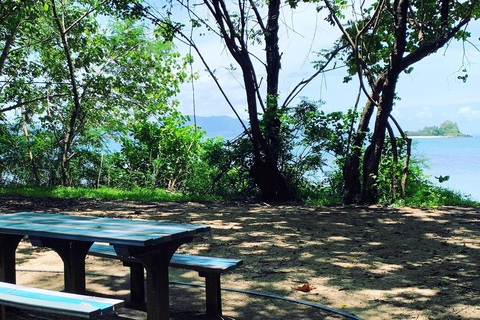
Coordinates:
113 231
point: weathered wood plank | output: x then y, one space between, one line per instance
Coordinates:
56 302
199 263
120 237
192 262
125 232
141 225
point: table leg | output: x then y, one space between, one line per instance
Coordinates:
156 263
158 299
73 254
137 283
8 246
213 295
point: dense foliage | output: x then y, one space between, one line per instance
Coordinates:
73 85
87 104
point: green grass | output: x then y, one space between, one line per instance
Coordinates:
426 195
137 194
432 196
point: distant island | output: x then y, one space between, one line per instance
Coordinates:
447 129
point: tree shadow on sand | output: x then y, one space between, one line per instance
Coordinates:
374 262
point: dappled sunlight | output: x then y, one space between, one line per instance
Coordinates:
282 226
337 238
389 221
373 243
377 263
381 269
253 252
259 234
225 238
252 244
246 219
222 225
416 293
351 264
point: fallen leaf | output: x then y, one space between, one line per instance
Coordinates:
307 287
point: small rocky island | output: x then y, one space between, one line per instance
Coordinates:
447 129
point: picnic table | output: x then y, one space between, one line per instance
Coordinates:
151 243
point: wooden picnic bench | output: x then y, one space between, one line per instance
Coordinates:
70 305
208 267
152 243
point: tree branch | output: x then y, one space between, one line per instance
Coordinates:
21 104
83 17
300 86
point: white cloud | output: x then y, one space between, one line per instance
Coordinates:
425 113
469 113
396 113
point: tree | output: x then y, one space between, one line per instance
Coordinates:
18 22
157 154
242 25
84 82
383 41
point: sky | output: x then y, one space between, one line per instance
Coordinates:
431 94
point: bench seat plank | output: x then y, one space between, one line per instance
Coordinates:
184 261
204 264
56 302
208 267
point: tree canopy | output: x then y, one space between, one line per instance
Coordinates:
73 82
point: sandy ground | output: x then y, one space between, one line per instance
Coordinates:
372 262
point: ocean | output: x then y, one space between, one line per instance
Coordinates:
458 158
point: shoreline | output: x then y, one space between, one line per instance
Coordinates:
438 137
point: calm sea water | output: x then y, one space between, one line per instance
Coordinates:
458 158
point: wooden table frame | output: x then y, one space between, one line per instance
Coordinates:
151 243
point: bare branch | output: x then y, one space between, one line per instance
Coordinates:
210 71
24 103
257 15
82 17
300 86
360 63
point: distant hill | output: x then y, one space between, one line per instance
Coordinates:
447 129
216 126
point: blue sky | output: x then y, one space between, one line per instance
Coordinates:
429 95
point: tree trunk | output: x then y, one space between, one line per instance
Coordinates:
399 10
264 171
270 181
385 105
393 142
33 164
373 154
351 168
273 124
7 45
406 165
76 112
97 183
